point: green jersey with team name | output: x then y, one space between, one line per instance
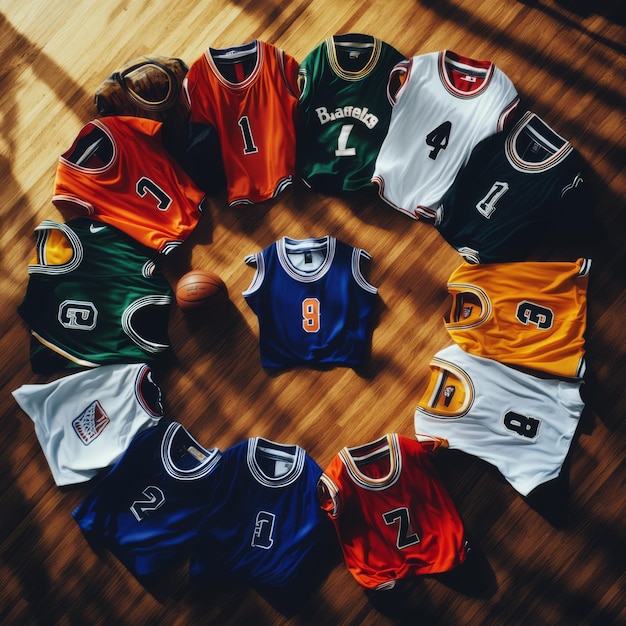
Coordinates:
344 111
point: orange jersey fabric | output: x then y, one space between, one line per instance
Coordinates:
249 93
117 171
528 314
393 515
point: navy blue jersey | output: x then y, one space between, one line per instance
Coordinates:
519 188
313 304
147 508
264 522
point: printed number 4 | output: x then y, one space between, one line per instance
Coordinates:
438 138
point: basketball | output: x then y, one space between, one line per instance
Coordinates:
200 289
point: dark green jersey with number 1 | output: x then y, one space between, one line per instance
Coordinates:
344 111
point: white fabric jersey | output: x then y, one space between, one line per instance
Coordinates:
446 105
85 421
521 424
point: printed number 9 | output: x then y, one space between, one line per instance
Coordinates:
311 315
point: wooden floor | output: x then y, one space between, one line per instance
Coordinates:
568 61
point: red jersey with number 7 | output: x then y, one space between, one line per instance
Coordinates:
249 93
393 515
117 171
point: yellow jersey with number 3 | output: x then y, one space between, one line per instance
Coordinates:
532 315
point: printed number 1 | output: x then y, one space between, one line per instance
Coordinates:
487 205
311 315
249 146
342 142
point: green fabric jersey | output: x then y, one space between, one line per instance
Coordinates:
344 111
94 296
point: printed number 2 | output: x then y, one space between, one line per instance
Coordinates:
405 537
311 315
154 498
438 138
249 146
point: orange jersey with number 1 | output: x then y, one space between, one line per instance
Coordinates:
249 93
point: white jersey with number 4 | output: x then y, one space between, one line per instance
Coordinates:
521 424
445 105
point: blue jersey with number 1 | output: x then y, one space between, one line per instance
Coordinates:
264 526
312 302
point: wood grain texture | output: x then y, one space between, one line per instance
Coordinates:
568 61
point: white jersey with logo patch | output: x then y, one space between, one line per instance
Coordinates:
84 422
445 106
521 424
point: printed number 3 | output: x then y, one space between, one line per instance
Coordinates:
311 315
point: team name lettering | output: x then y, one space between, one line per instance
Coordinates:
360 113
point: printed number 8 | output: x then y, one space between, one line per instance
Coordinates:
311 315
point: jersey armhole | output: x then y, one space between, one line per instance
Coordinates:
73 206
508 115
357 255
398 78
303 84
255 260
328 495
291 83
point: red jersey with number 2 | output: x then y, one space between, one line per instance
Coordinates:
393 515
